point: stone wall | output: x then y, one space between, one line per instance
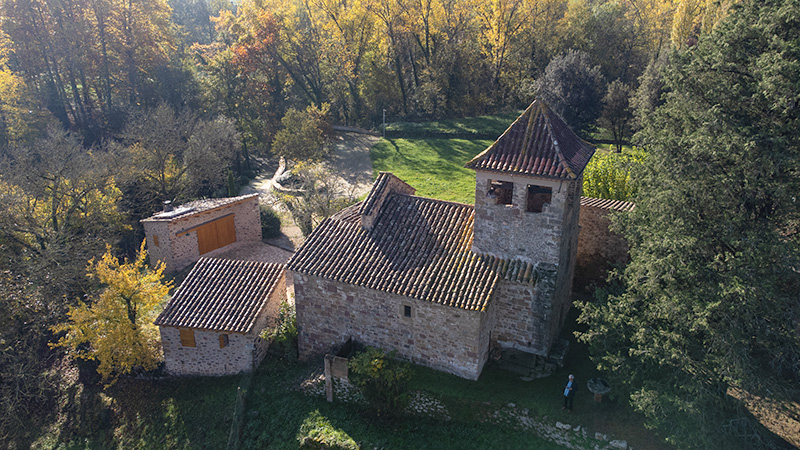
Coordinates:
530 319
525 313
598 247
178 245
206 357
562 297
243 353
511 232
158 247
444 338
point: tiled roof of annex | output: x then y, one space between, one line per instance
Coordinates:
222 295
603 203
419 247
538 143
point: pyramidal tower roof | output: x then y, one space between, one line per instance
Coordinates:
538 143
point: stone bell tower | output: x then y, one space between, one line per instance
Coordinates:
527 201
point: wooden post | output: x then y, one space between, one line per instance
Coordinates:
328 378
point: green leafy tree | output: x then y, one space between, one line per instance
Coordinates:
617 114
116 328
304 134
608 174
648 95
709 310
574 89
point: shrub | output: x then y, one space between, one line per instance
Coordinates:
382 379
270 223
284 333
608 175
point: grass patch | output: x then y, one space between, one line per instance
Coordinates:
185 413
430 156
196 413
542 397
435 166
281 417
482 127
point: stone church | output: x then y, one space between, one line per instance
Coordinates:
441 282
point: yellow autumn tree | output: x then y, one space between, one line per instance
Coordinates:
117 328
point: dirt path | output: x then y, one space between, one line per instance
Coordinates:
349 161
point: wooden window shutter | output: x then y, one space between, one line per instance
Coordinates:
155 240
223 340
187 337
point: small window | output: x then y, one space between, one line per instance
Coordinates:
187 337
223 340
155 240
406 311
538 196
502 191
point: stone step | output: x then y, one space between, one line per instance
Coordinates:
514 367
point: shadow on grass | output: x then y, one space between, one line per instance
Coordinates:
280 416
174 413
482 127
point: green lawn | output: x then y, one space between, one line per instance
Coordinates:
486 127
430 156
434 166
279 416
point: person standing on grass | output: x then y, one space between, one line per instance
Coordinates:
569 392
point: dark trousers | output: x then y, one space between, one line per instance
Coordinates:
568 399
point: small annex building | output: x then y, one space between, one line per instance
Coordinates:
211 326
599 248
179 236
441 282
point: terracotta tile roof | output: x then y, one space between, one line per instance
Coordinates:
419 247
350 214
538 143
382 183
195 207
602 203
222 295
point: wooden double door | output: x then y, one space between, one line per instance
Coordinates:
216 234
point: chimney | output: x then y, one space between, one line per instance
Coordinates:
167 206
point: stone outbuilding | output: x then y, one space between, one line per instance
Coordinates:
599 248
441 282
211 326
179 236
